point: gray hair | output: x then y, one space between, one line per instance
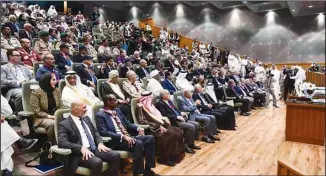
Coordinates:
230 81
162 92
197 86
130 73
46 56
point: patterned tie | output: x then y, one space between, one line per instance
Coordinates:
173 108
117 120
89 136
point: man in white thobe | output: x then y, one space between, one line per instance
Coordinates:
299 78
260 72
154 85
276 83
76 91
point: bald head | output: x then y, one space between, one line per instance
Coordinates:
110 101
143 63
78 108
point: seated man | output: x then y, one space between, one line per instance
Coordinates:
43 45
179 119
131 86
186 104
243 94
77 58
27 33
77 133
65 39
142 71
230 92
127 66
87 43
104 48
224 115
13 75
86 73
154 85
107 67
8 41
76 91
126 136
48 66
168 84
135 59
63 59
259 98
28 55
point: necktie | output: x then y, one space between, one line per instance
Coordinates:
89 136
135 87
173 108
117 120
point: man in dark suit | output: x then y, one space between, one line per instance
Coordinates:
126 136
123 71
288 82
169 63
225 117
179 119
86 73
109 66
168 84
142 71
62 59
78 134
28 32
13 25
230 92
186 104
78 57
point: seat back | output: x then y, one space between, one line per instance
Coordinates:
219 92
121 80
26 94
62 84
151 68
74 65
99 84
59 114
175 98
97 68
135 66
37 65
95 109
134 103
145 82
34 41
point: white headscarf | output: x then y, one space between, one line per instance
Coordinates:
52 11
182 83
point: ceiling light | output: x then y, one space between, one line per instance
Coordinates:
245 2
293 10
130 4
310 6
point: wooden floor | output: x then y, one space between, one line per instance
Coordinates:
253 149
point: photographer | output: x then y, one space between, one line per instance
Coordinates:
269 88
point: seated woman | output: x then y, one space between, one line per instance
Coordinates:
112 87
76 91
169 139
44 102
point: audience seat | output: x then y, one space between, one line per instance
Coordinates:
34 41
145 82
151 68
99 84
74 65
27 109
175 98
236 105
97 68
36 65
134 103
62 84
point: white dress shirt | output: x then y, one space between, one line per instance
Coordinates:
82 132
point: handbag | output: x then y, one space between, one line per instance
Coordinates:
45 155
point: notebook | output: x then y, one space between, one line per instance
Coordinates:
43 169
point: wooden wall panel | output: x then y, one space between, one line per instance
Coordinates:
305 123
316 78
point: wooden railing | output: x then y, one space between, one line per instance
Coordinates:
316 78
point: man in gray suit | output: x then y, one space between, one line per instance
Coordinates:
187 104
13 75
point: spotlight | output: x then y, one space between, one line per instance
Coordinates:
310 6
293 10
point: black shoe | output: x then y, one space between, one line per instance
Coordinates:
275 106
214 138
167 163
149 172
206 139
193 146
7 173
189 150
26 144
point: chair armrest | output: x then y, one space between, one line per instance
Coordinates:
106 139
231 98
25 113
60 151
143 126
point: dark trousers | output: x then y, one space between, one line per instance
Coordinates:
245 104
95 163
190 131
218 116
145 145
227 120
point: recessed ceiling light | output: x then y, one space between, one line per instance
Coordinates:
310 6
245 2
293 10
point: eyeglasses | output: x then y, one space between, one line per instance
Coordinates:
16 55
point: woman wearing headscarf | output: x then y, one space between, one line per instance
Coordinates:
44 102
169 139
